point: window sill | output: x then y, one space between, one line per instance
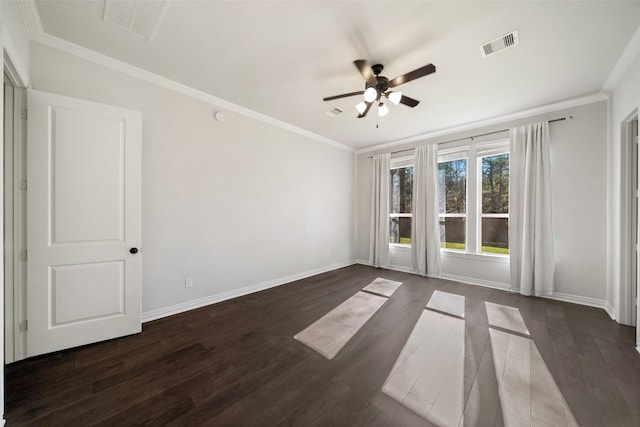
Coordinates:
503 259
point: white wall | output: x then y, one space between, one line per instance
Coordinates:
231 204
579 172
625 99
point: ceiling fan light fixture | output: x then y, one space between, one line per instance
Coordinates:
383 110
395 97
361 107
370 94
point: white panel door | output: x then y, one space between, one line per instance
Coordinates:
83 222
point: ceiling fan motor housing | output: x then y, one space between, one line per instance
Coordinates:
383 83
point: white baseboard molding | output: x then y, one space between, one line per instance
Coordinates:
212 299
577 299
393 267
477 282
611 311
559 296
401 268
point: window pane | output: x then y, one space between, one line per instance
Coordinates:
495 235
453 233
495 184
452 183
400 230
400 193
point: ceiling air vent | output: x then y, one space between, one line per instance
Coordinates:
140 17
501 43
334 112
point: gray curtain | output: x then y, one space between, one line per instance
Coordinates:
379 232
530 229
425 227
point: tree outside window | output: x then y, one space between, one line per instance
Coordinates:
452 195
495 203
400 205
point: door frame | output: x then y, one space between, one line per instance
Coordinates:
626 222
14 226
14 213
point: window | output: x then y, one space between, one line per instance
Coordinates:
474 198
452 200
400 198
495 203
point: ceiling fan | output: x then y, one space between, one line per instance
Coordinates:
377 87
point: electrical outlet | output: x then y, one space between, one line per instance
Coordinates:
188 282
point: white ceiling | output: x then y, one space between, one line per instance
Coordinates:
281 58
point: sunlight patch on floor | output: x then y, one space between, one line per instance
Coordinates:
528 393
428 377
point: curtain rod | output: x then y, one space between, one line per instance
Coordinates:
559 119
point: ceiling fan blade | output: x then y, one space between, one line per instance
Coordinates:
364 113
415 74
344 95
409 102
365 69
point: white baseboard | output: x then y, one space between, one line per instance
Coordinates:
393 267
401 268
477 282
559 296
212 299
611 311
577 299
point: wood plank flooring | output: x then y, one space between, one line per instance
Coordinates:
236 363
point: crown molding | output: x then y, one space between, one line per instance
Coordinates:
31 17
544 109
629 55
37 34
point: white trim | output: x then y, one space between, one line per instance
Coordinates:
31 17
394 267
610 311
212 299
402 268
558 296
37 34
549 108
477 282
580 300
638 349
16 70
624 62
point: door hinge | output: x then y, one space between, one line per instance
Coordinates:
23 185
23 255
24 326
635 301
24 114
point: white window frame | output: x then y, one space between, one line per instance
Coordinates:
474 215
482 151
398 163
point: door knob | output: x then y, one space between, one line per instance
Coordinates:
133 250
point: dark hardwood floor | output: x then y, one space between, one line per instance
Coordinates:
236 363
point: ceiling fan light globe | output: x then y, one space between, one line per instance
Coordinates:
361 107
370 94
383 110
395 97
